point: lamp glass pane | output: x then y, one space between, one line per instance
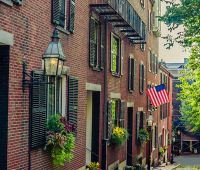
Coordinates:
60 66
51 66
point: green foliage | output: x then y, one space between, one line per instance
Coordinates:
54 124
190 92
143 136
59 142
119 135
186 14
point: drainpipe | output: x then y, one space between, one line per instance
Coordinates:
105 137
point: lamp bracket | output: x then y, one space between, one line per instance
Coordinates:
32 80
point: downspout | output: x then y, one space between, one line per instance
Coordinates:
105 137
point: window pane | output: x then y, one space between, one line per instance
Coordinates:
51 96
58 95
114 117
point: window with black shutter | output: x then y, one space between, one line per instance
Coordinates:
38 110
142 79
137 126
149 104
63 11
156 65
131 74
97 39
116 111
72 100
115 55
71 15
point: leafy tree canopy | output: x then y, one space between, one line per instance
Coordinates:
186 13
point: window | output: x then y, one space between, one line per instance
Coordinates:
131 74
149 105
142 47
116 111
59 14
154 137
54 97
139 123
142 78
115 55
97 39
153 63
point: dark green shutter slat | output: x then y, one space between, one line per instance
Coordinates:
72 16
137 126
93 45
109 119
38 109
56 11
72 100
103 44
129 74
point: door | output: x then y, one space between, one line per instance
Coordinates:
4 77
130 139
92 126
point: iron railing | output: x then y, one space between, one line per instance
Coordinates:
128 13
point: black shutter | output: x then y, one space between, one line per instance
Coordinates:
72 16
93 43
129 74
140 78
38 109
56 11
134 76
137 126
109 119
72 100
122 112
156 65
103 44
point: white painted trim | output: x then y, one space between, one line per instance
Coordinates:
82 168
113 165
6 38
115 95
130 104
140 109
93 87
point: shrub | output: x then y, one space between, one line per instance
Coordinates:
143 136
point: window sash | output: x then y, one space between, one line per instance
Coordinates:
115 54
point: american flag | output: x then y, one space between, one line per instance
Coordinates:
158 95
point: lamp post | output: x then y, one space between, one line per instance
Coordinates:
149 124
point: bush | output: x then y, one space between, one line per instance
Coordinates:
119 135
59 142
143 136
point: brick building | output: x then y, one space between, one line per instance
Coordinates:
111 50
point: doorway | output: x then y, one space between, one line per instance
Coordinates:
4 78
92 126
130 139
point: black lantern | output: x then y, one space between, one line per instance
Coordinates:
54 57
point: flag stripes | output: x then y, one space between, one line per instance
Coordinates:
158 95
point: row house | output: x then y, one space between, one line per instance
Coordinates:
108 57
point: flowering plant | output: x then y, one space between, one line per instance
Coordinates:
93 166
60 141
119 135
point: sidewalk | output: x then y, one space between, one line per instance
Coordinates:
167 167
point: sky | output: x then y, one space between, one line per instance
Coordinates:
176 54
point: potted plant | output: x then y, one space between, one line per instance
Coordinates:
119 135
60 140
93 166
143 136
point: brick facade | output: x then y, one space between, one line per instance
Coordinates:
31 26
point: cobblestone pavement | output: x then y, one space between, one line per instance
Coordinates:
187 159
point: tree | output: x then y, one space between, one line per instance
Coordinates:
186 13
